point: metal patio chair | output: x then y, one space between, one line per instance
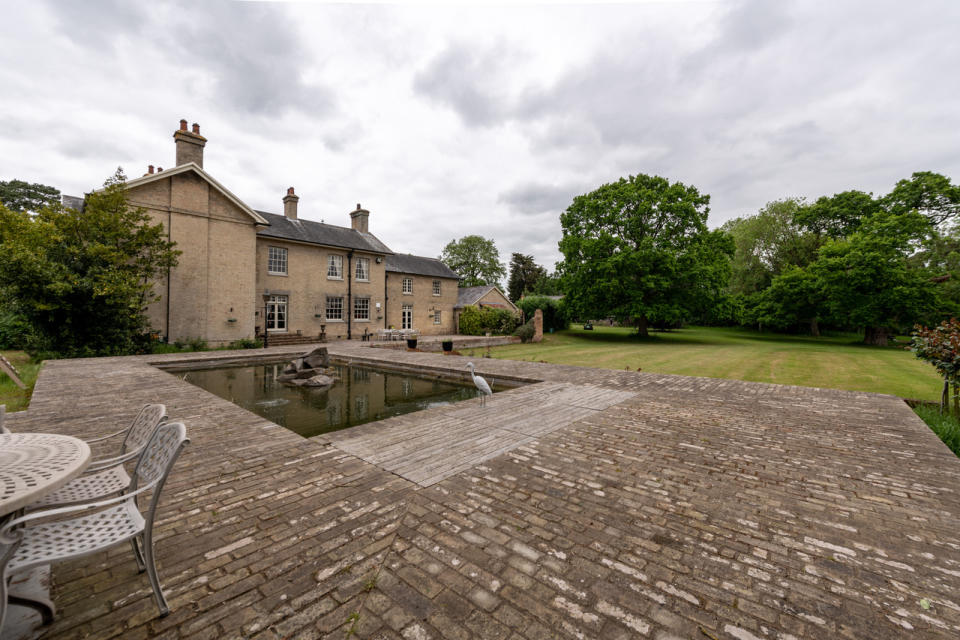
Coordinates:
106 477
3 416
32 540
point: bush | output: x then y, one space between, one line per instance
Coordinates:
946 426
525 331
245 343
555 315
15 330
477 322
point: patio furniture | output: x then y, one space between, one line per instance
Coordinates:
34 464
107 476
34 539
3 415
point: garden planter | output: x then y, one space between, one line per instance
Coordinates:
411 343
447 345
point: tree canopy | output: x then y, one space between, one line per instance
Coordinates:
476 259
524 275
638 249
83 280
21 196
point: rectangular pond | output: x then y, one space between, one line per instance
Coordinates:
361 394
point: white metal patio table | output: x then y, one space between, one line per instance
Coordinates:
31 466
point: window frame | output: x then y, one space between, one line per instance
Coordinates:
436 287
437 317
406 290
335 259
270 260
357 306
403 317
326 309
366 266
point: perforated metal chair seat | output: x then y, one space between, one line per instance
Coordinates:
55 541
95 486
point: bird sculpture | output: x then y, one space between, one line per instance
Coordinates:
481 384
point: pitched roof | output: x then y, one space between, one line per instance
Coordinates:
312 232
195 168
469 295
419 265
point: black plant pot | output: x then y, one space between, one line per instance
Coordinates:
411 343
447 345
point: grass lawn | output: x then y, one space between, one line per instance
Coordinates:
11 395
833 362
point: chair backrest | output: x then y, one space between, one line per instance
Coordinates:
3 415
143 427
156 461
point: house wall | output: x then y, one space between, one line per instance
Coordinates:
216 237
307 286
495 297
423 301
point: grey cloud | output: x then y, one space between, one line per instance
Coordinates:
534 198
248 53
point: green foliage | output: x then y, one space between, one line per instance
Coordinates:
931 194
245 343
524 275
191 344
639 250
475 259
793 298
24 197
548 285
83 280
837 216
766 244
525 331
554 313
946 426
15 329
478 322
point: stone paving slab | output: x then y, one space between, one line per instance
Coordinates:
686 508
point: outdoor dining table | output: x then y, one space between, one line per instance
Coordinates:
31 466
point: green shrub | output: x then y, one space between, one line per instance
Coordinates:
245 343
15 330
525 331
477 322
555 315
946 426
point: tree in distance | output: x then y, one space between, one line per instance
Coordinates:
475 259
639 250
84 280
21 196
524 275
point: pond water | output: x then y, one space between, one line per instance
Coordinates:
362 394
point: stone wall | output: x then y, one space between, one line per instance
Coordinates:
425 304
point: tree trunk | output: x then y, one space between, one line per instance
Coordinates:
956 399
814 328
642 327
945 396
877 336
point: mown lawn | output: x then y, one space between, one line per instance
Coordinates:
832 362
11 395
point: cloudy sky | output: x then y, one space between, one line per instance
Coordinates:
449 121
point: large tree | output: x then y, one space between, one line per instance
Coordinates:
21 196
83 280
931 194
524 275
475 259
638 249
839 215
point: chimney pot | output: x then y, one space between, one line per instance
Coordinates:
290 191
183 124
358 206
196 128
159 169
149 168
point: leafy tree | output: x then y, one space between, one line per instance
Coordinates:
524 275
931 194
940 347
867 281
21 196
793 298
83 280
476 259
554 314
839 215
767 243
477 322
548 285
638 249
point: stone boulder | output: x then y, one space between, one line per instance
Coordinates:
319 380
316 359
307 367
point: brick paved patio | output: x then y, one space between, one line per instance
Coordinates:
648 506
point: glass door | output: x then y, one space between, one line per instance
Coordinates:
406 317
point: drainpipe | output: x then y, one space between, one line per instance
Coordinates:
169 239
385 296
349 293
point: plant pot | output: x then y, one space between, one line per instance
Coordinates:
411 343
447 345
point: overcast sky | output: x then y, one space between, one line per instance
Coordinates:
445 122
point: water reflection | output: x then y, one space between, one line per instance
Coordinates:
362 395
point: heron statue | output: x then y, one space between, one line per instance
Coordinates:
481 384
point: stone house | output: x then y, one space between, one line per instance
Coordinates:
487 295
244 271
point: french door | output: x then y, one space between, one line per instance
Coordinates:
277 313
406 317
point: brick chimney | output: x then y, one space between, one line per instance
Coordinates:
290 204
360 219
189 144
